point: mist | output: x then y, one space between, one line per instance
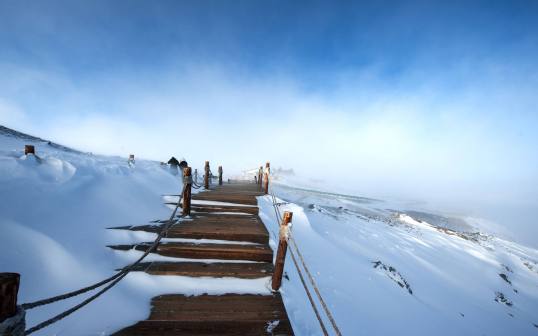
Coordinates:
450 124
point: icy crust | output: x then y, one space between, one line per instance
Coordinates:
385 269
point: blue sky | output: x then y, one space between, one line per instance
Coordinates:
417 100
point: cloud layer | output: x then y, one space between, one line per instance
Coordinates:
414 102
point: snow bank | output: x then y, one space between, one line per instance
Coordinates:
55 208
383 271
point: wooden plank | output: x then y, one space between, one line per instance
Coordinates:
228 194
235 307
226 197
217 227
206 251
230 314
217 270
215 208
222 227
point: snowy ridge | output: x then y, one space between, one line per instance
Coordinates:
10 133
387 270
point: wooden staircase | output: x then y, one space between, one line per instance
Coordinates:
234 244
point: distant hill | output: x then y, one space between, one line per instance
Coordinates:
8 132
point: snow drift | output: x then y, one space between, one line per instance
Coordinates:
386 269
55 208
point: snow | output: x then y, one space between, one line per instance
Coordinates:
55 208
364 253
215 203
383 267
131 256
157 285
128 236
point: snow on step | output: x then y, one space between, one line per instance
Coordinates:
220 195
207 208
229 314
200 269
206 251
224 227
221 216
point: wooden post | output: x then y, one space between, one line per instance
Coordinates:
266 176
281 251
206 176
9 288
260 177
29 149
187 180
220 175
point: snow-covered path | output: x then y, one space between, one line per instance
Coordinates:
228 258
56 212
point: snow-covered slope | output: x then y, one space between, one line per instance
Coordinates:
383 267
54 210
386 270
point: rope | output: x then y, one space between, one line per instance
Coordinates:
318 316
322 325
310 277
323 304
73 309
115 279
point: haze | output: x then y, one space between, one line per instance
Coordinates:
428 101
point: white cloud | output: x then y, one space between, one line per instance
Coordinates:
463 147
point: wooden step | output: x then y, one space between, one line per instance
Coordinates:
222 227
230 314
215 227
206 251
222 208
217 208
216 270
226 197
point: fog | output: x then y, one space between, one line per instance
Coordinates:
456 131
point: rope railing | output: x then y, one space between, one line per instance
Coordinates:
189 182
328 313
12 316
316 312
112 281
